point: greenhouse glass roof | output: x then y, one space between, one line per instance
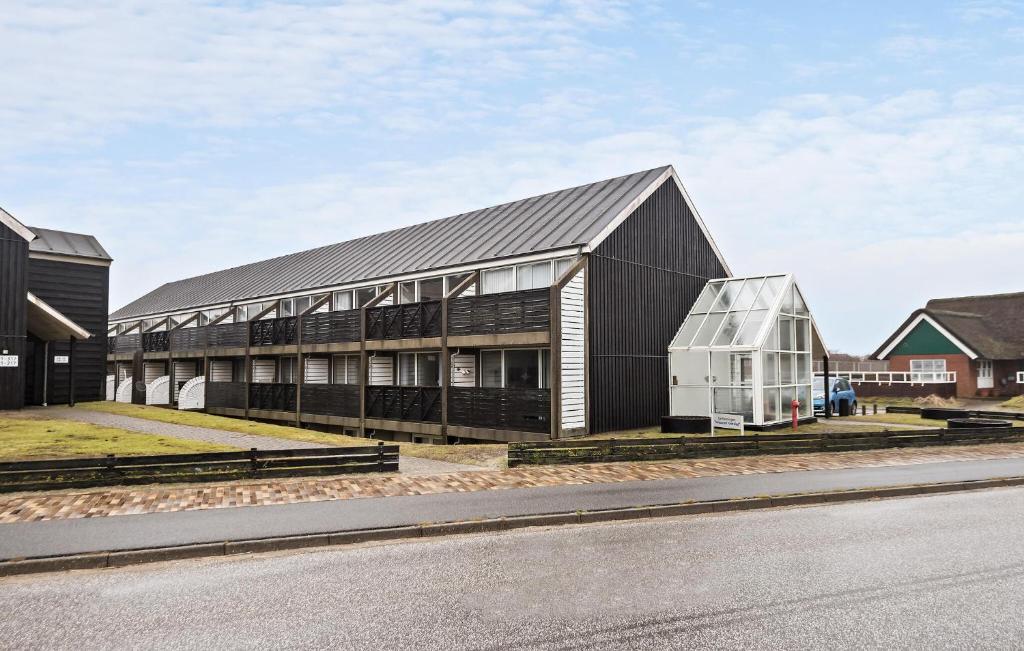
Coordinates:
740 312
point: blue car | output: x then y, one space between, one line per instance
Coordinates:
841 390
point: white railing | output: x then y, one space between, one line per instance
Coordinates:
850 366
895 378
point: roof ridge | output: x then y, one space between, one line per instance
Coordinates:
975 296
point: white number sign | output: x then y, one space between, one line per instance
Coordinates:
8 361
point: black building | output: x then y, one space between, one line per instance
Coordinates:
53 307
545 317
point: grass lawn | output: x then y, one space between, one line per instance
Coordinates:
486 454
42 438
834 425
886 401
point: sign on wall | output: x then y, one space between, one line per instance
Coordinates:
727 421
60 359
8 361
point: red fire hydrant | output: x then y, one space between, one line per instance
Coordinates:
795 406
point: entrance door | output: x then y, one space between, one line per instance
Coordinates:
984 374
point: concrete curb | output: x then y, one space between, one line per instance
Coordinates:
99 560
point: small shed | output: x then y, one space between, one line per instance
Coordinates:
745 348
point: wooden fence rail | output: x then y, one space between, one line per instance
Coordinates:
608 450
52 474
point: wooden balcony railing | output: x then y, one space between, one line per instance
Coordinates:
226 335
331 399
225 394
189 338
124 343
274 332
272 396
489 314
525 410
330 327
156 342
404 403
405 321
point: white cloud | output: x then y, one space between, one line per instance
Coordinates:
916 47
82 71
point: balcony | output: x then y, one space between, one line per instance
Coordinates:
496 314
331 327
225 395
156 342
124 343
331 399
523 410
422 404
405 321
226 335
272 396
274 332
188 338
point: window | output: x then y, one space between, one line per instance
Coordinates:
343 300
431 289
419 369
287 307
490 368
494 281
985 369
407 292
302 304
515 368
451 282
533 276
560 267
365 295
288 370
927 370
346 369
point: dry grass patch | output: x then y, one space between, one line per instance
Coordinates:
34 437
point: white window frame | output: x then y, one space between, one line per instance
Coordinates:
928 370
334 375
552 265
417 381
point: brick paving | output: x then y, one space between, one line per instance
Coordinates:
155 499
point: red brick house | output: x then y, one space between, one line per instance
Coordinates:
980 338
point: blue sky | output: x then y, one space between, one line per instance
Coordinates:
874 149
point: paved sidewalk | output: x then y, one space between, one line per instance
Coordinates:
89 535
163 499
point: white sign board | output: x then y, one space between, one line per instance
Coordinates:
60 359
727 421
8 361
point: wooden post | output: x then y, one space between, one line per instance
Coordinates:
446 369
828 394
71 371
555 343
364 367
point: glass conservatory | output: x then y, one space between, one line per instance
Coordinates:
745 348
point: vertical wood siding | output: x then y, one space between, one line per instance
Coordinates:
644 278
80 292
573 402
13 306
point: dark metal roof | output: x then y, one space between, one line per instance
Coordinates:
64 243
988 325
556 220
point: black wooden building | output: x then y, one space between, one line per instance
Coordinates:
544 317
53 310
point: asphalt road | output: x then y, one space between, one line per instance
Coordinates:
927 572
73 536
